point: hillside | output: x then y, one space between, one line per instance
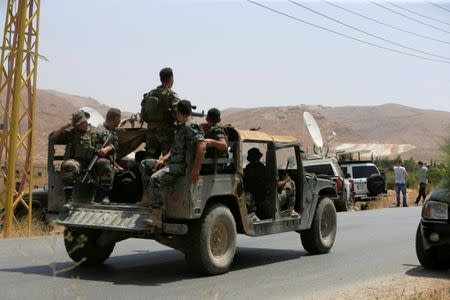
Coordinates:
390 123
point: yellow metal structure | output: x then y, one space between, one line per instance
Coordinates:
19 61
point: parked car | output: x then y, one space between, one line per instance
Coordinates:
369 183
433 233
39 203
329 168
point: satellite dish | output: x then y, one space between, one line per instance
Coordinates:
96 118
313 129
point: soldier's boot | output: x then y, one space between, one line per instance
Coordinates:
292 212
68 191
155 219
145 202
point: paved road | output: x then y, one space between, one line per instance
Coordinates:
369 245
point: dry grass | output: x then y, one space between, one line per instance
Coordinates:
389 200
432 294
39 228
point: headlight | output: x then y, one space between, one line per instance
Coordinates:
435 210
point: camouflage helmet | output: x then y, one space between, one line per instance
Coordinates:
80 117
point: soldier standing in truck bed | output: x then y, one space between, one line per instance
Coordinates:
81 140
158 111
216 139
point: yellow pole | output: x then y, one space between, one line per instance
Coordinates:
15 116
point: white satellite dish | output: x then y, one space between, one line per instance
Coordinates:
96 118
313 129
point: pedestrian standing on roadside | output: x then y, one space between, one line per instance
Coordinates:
400 182
423 181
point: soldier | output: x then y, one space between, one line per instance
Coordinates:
158 110
186 154
254 182
216 140
113 119
81 140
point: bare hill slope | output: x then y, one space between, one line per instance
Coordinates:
389 123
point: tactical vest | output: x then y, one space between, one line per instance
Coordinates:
82 145
155 107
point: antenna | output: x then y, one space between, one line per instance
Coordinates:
313 129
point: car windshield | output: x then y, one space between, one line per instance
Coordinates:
364 171
320 170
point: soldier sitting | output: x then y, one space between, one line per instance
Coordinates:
216 139
186 154
81 140
255 183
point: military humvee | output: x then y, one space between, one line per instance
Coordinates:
201 220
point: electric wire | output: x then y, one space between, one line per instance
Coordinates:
345 35
438 6
408 17
416 13
385 24
368 33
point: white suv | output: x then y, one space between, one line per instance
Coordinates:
329 168
368 181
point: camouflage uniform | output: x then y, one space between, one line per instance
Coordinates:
107 163
287 196
80 147
214 132
181 157
160 136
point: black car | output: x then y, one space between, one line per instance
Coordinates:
40 204
433 233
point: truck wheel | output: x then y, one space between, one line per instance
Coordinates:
320 237
427 258
341 204
213 241
82 246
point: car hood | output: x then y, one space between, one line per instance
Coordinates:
440 195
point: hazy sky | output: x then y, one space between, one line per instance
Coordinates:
236 54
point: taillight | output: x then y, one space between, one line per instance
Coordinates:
352 185
339 185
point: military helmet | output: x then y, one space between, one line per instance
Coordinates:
80 117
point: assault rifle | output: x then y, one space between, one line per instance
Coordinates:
197 114
88 171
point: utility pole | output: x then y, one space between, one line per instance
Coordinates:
19 59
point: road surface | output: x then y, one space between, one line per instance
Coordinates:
369 245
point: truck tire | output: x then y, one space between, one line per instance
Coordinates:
375 184
212 241
341 205
320 237
82 246
429 259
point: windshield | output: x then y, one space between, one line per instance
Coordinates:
364 171
320 170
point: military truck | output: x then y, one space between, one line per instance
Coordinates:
201 220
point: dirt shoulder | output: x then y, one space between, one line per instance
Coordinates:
416 284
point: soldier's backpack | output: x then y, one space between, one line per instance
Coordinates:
155 106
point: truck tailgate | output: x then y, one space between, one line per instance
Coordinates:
105 219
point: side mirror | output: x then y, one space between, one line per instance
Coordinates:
347 176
